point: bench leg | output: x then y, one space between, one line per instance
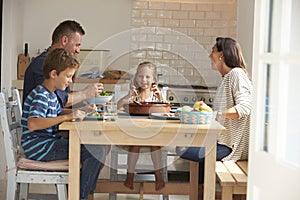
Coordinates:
226 193
194 174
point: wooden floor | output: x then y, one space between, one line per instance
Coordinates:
51 189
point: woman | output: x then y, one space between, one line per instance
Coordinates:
232 103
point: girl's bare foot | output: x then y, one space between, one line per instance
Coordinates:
159 181
159 185
129 181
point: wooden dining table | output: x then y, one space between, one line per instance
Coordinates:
145 132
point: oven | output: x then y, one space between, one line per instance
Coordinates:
180 95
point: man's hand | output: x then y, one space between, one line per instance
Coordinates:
88 92
90 108
93 90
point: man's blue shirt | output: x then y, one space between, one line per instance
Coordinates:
34 76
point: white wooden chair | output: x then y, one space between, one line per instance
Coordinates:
21 171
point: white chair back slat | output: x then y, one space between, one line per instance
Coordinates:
6 98
9 140
17 111
18 107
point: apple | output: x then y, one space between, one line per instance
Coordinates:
202 107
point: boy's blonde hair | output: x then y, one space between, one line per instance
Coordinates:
59 59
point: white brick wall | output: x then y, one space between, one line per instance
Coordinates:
181 37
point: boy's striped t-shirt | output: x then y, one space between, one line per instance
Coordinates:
40 103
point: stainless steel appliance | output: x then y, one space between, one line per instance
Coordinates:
180 95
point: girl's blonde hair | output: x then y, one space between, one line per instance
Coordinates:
151 66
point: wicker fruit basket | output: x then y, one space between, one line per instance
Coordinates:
195 117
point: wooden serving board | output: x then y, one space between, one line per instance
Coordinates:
23 62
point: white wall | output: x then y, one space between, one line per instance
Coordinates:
245 20
99 18
12 32
34 21
11 37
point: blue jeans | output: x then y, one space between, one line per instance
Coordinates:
91 156
197 154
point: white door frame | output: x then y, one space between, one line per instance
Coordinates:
274 156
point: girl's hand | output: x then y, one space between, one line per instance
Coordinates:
133 91
156 91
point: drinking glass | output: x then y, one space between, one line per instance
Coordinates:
110 111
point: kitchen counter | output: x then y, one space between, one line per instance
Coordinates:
109 84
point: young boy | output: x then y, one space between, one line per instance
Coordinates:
42 114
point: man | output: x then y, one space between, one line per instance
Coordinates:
67 35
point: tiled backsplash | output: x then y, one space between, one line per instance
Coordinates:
178 37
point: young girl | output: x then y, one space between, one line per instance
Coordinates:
144 90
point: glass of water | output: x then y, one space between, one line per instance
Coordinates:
110 111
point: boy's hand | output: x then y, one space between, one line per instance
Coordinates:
77 115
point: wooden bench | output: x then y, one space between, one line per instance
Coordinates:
232 177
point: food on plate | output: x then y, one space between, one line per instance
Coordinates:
104 93
201 106
170 114
97 114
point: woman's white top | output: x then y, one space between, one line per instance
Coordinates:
235 91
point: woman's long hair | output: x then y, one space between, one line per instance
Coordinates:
232 53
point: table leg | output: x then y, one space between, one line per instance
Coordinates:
74 165
209 186
194 176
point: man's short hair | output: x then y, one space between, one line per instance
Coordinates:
66 28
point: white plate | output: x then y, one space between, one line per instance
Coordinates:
94 118
165 116
100 99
